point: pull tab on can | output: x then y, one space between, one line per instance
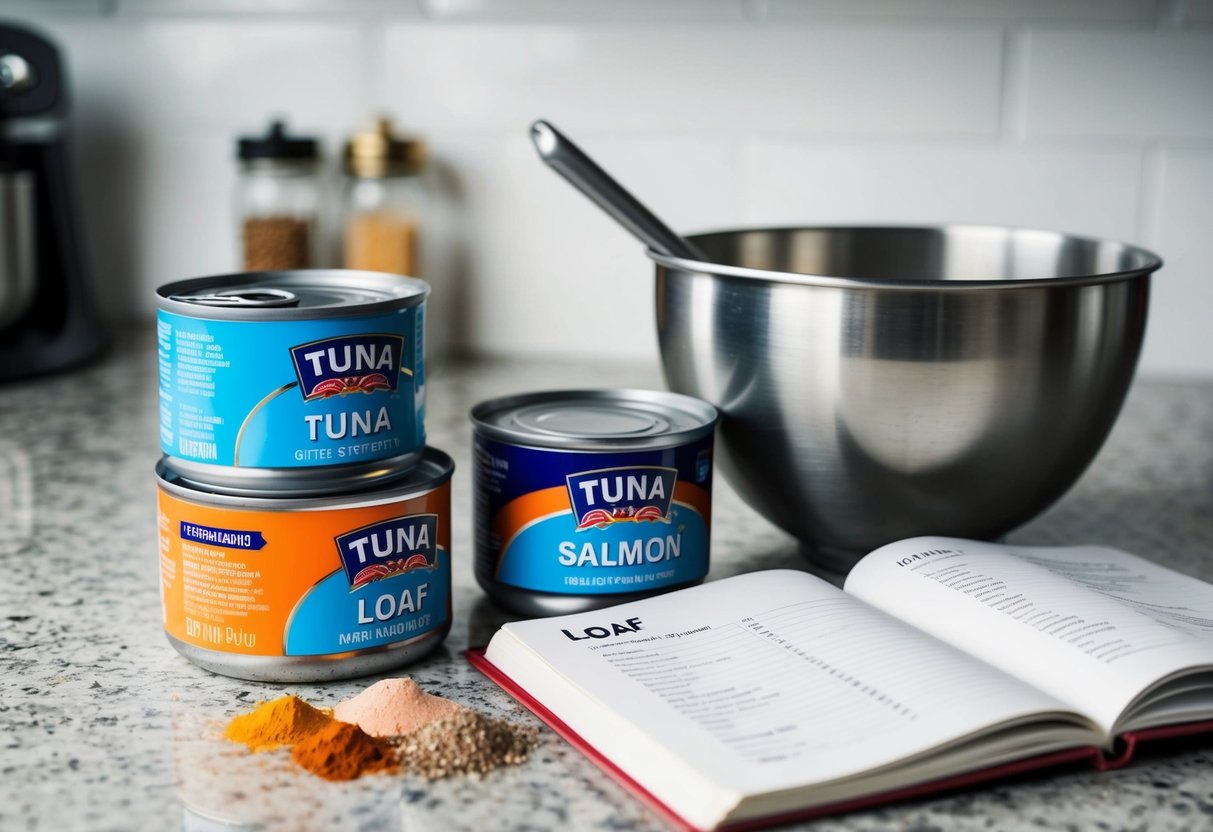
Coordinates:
254 298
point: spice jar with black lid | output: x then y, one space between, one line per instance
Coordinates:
278 200
385 201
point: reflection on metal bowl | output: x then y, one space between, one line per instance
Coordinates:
879 383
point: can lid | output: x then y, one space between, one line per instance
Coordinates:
596 420
291 295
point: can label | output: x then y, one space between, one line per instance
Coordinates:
581 523
305 583
292 394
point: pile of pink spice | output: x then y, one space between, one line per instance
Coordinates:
393 708
435 737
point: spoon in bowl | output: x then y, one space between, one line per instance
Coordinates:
564 157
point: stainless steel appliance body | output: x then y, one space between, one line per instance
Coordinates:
48 320
879 383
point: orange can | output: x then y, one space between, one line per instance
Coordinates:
307 589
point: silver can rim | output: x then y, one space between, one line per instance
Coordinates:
400 292
310 481
706 414
324 667
433 470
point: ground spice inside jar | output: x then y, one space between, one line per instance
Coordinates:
275 243
381 243
283 721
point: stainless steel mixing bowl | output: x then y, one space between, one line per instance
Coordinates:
879 383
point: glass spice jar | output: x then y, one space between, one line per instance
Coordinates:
278 200
385 201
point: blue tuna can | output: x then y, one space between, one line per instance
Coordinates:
293 382
589 498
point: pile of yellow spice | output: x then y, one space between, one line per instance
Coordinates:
390 726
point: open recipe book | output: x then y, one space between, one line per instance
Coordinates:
774 695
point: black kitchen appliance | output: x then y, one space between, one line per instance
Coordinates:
48 320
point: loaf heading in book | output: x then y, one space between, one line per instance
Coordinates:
632 625
903 562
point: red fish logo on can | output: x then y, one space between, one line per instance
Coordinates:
348 364
353 384
390 547
621 495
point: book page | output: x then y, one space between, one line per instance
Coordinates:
760 682
1092 626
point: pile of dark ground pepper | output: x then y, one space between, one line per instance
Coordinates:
465 743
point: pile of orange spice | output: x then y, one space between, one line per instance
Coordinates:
322 745
340 751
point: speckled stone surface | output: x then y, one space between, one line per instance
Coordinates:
104 726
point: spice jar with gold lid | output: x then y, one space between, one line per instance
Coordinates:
278 196
385 201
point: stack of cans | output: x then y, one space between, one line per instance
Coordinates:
304 524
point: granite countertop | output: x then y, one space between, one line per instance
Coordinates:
104 726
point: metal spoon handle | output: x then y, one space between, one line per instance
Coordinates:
564 157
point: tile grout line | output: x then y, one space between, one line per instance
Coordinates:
755 11
371 33
1013 93
1152 181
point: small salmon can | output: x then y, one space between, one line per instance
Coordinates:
588 498
295 382
307 589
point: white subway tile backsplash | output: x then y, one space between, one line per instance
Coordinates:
1147 85
1090 116
1096 11
1078 190
264 8
160 72
1177 338
11 9
175 219
1198 13
1187 13
587 10
555 275
700 80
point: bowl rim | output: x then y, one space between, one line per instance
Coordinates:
1151 261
